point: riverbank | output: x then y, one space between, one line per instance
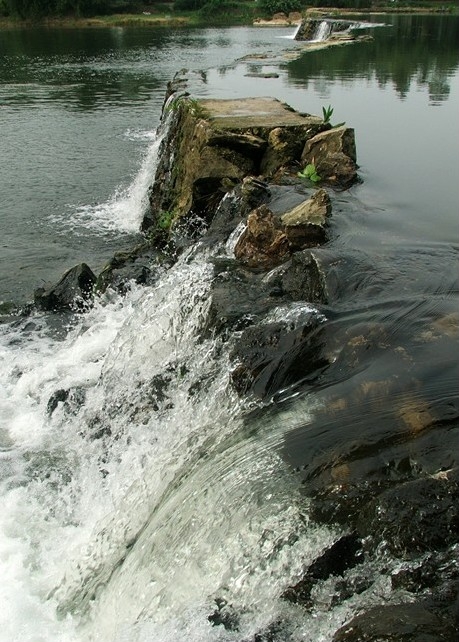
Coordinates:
250 14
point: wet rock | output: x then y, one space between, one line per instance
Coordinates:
269 240
224 615
137 265
344 554
73 292
334 156
72 399
262 244
285 146
415 517
418 622
272 356
437 571
309 27
304 225
301 279
235 207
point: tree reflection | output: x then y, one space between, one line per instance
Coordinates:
410 49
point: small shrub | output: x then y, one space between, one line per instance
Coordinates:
310 172
165 220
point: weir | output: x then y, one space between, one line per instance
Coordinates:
247 451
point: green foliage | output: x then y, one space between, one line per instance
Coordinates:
270 7
328 113
310 172
165 221
41 8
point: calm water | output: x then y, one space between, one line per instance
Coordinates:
148 492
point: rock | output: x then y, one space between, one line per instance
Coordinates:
344 554
213 145
235 207
304 225
285 145
334 156
269 240
273 356
415 517
262 244
416 622
136 265
310 26
224 615
72 400
73 292
300 279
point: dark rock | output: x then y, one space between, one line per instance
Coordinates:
333 155
273 356
301 279
345 553
437 571
137 265
72 400
73 292
235 207
224 615
418 622
415 517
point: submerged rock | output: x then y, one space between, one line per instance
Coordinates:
344 554
419 622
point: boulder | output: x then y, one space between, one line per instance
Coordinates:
272 356
304 225
136 265
262 244
334 156
73 292
270 240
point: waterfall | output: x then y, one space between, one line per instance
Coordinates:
144 497
324 30
315 30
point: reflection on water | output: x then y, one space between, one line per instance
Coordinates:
412 50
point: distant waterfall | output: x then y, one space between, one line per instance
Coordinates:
323 31
315 30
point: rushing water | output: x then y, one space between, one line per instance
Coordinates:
131 506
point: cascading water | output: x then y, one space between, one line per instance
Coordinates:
141 497
324 30
138 492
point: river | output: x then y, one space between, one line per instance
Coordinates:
120 523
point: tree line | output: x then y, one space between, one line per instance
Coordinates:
40 8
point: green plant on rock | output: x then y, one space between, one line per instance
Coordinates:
164 221
310 172
327 114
